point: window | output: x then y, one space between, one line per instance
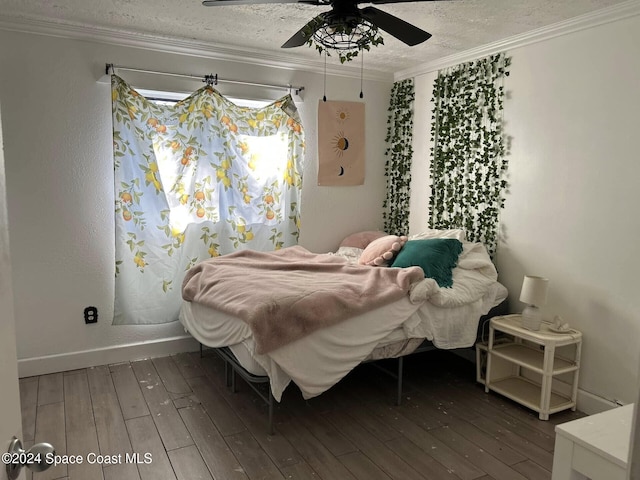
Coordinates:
195 178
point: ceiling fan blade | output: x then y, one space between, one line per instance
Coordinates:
380 2
302 36
403 31
214 3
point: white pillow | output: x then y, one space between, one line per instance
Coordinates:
456 233
352 254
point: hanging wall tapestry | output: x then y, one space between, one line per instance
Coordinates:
468 167
340 143
194 180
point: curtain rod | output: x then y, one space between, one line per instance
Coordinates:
211 79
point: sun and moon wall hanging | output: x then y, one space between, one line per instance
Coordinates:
340 143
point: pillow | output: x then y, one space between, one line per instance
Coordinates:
362 239
351 254
436 256
380 252
457 233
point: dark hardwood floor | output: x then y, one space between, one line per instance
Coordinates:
177 411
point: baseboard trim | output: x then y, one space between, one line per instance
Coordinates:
29 367
592 404
586 402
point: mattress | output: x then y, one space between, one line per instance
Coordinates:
244 358
321 359
203 321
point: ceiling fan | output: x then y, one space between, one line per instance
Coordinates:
344 20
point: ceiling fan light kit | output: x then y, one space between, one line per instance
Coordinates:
345 36
345 28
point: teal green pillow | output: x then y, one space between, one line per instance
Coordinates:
436 256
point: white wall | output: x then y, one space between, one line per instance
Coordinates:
571 209
420 179
59 169
10 416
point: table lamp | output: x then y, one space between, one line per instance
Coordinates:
534 294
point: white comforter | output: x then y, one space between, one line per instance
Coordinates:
474 274
446 316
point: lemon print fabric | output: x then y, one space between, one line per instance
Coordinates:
194 180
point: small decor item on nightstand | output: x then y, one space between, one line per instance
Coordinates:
534 294
559 325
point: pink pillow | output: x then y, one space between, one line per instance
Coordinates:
361 239
381 251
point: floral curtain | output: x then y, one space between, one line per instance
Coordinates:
399 157
193 180
468 169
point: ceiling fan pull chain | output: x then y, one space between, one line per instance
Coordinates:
361 73
324 93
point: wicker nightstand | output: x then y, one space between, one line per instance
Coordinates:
523 366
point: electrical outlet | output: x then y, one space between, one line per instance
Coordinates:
90 315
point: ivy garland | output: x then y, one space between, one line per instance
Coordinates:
397 168
345 52
348 55
468 164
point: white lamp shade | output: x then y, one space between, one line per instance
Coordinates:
534 290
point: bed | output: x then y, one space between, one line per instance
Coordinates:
418 312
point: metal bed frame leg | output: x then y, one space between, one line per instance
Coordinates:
233 380
271 399
400 364
236 369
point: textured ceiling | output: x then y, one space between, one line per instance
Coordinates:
456 25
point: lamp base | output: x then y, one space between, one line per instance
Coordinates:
531 318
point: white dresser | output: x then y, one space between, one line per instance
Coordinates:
594 447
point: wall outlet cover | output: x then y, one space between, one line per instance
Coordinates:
91 315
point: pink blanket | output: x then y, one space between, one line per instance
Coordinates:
287 294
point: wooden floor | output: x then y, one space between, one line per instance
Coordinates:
177 413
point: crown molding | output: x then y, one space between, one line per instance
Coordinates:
126 38
599 17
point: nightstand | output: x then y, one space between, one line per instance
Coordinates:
524 364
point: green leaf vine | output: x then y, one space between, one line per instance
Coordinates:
468 166
369 38
399 154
